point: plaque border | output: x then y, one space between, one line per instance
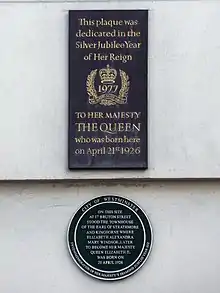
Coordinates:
113 272
142 249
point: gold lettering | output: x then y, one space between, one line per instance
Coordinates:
108 115
120 57
130 45
94 115
84 21
85 45
111 23
98 56
108 127
138 128
86 127
121 126
95 34
118 45
96 152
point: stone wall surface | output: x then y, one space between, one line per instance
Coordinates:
184 53
184 258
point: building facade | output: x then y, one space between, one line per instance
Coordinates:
180 190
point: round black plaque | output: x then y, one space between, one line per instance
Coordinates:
109 237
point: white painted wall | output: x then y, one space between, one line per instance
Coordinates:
184 141
184 89
185 256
